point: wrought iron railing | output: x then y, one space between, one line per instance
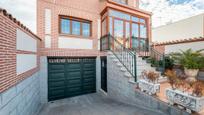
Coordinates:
105 42
153 56
126 56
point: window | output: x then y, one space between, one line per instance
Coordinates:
135 28
104 26
143 31
118 29
142 20
86 29
65 26
121 1
77 27
121 15
135 19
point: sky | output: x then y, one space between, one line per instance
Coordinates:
164 11
169 11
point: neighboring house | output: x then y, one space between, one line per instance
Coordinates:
192 27
178 45
71 32
181 35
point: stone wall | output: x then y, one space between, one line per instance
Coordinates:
44 79
122 88
23 98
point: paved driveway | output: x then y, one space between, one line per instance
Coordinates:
93 104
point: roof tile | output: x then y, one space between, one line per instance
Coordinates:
9 16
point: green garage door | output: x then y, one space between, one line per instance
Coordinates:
69 77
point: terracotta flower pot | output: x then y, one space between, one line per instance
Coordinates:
191 73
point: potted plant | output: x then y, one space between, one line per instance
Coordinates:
171 75
191 60
149 82
169 63
198 88
188 94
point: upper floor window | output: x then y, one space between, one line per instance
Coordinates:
73 26
121 1
118 14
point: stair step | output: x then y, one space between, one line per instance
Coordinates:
127 74
119 64
110 53
123 69
115 60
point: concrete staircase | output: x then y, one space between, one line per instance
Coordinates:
141 66
122 87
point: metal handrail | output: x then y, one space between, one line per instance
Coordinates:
126 56
157 59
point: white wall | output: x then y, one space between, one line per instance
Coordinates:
25 42
47 21
47 41
25 62
75 43
184 46
99 33
184 29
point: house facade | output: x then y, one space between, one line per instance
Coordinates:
71 32
67 58
66 25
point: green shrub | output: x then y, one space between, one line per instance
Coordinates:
189 59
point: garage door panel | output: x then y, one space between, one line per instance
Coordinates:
74 82
89 65
74 89
71 77
89 72
89 68
56 93
74 75
57 76
92 80
89 88
88 84
74 66
87 76
56 68
58 83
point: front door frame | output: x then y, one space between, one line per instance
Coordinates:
104 73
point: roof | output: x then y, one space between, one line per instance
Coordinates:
180 41
9 16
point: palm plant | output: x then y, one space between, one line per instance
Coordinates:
189 59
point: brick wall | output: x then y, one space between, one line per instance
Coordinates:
80 9
8 51
160 48
76 8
